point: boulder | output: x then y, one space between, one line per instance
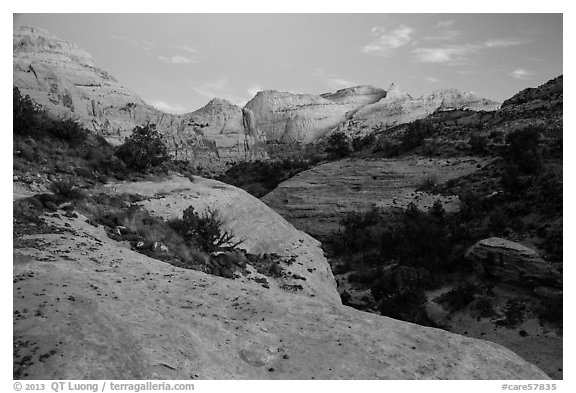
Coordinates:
514 263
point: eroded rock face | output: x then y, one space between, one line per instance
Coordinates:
287 117
66 80
514 263
317 199
87 307
232 129
399 107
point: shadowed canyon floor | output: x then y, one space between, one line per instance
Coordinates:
86 306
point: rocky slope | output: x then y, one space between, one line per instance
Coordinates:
88 307
66 80
399 107
317 199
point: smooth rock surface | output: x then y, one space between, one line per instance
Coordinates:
87 307
264 231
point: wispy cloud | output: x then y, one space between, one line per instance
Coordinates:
254 89
177 59
503 43
431 79
332 80
221 88
165 107
458 54
185 48
447 54
385 42
521 73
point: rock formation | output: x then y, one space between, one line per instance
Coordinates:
66 81
398 108
514 263
287 117
88 307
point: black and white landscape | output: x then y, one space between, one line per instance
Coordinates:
281 231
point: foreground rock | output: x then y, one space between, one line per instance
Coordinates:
87 307
263 230
317 199
67 82
514 263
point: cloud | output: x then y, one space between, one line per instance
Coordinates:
431 79
503 43
253 90
185 48
332 80
448 54
521 73
458 54
165 107
221 88
385 42
177 59
445 24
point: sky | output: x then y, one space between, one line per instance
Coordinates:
178 62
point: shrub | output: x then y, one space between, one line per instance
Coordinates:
415 134
459 297
24 113
514 313
478 144
551 309
338 145
67 189
204 231
144 149
68 130
522 149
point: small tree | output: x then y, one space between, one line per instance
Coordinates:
144 149
203 231
25 112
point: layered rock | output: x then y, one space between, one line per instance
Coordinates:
399 107
87 307
66 81
287 117
317 199
231 128
514 263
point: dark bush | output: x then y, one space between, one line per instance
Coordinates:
338 146
459 297
144 149
522 149
415 134
513 313
67 189
551 309
25 112
478 144
204 231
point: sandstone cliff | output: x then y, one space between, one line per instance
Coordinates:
88 307
287 117
66 81
399 107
